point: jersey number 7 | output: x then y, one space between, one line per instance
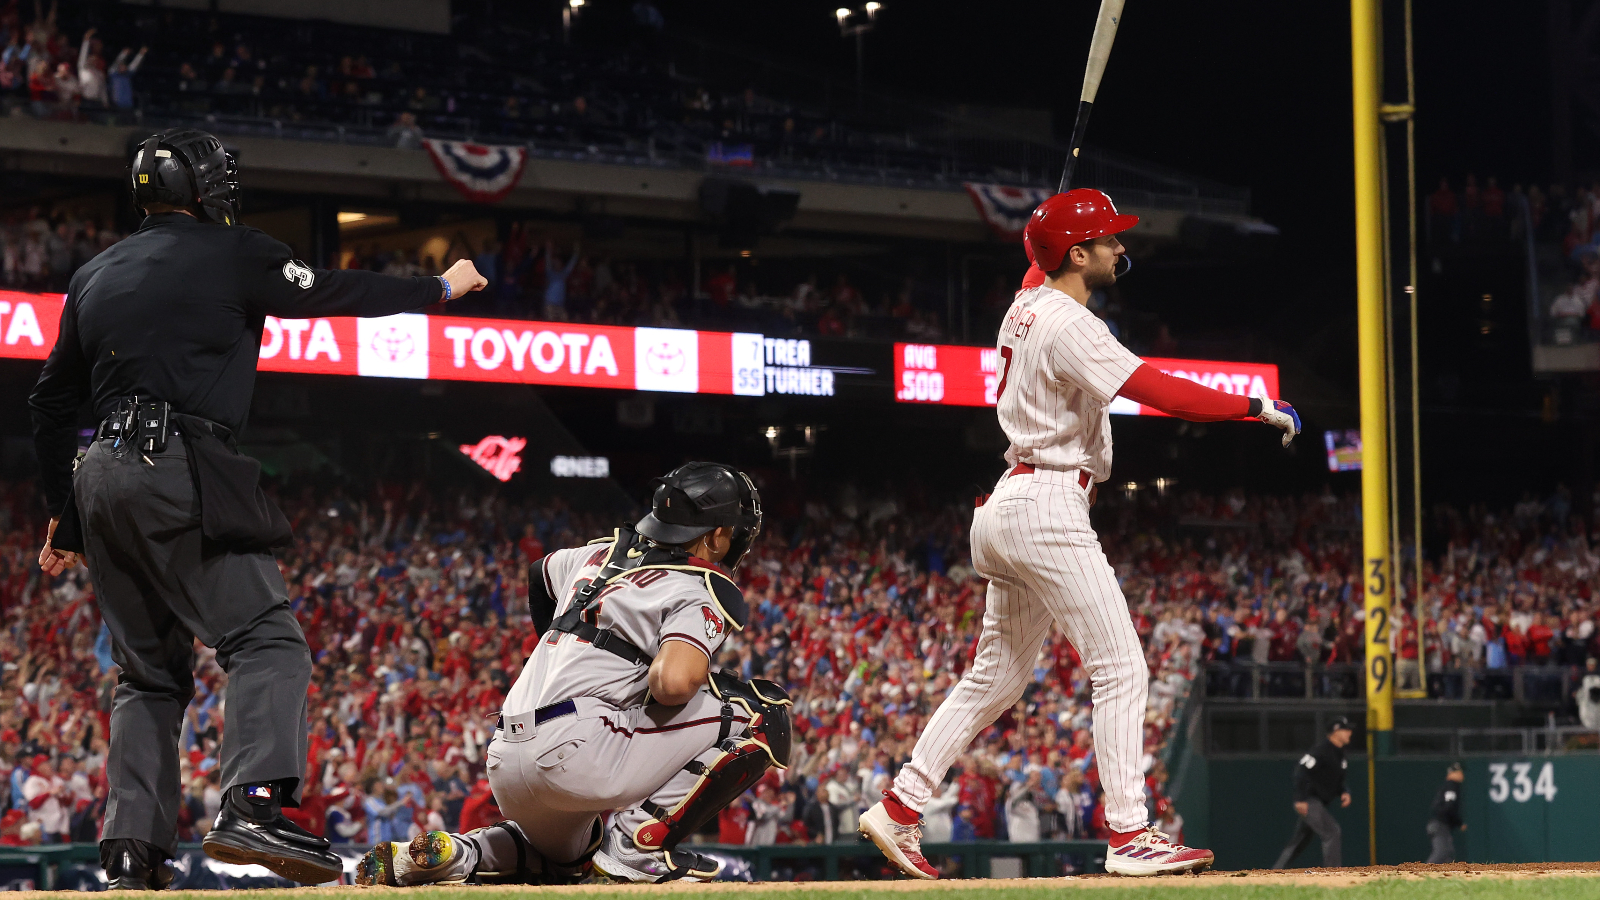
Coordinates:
1005 372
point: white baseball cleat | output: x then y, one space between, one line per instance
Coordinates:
621 860
1150 852
902 844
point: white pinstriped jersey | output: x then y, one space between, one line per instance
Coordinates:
1060 368
649 607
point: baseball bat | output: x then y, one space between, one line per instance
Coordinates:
1105 31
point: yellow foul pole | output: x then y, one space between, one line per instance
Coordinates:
1377 564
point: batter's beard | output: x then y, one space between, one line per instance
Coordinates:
1102 281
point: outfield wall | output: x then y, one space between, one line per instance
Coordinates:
1517 809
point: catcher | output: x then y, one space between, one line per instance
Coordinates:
617 710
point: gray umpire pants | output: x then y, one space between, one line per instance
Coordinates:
160 585
1444 842
1317 822
555 780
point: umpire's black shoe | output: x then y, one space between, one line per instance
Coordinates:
251 830
134 865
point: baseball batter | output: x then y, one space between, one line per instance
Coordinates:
617 711
1060 367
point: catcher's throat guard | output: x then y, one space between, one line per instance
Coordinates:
729 769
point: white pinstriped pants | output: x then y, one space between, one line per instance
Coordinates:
1033 542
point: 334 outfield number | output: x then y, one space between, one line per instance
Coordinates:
1521 787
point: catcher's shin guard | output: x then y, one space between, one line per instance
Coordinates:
504 842
728 769
725 771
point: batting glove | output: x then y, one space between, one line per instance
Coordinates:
1279 414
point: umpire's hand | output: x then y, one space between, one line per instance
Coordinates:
54 561
464 278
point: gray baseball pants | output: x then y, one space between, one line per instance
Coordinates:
1320 823
555 780
1444 842
159 585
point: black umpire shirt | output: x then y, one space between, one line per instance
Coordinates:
1447 805
1320 774
174 312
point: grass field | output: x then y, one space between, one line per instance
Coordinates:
1471 883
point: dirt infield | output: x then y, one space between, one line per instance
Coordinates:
1306 878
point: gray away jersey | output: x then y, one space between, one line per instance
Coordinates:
649 607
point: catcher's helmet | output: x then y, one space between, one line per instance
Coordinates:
1079 215
699 496
184 167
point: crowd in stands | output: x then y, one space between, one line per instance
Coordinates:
866 608
1569 224
39 249
529 278
59 78
1564 219
504 75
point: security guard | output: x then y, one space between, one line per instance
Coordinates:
1445 820
1318 782
161 334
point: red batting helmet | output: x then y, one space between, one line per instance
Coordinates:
1061 221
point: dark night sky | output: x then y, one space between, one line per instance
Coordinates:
1254 94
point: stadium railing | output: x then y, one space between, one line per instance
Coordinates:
1242 680
924 167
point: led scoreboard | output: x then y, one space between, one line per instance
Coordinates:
678 360
954 375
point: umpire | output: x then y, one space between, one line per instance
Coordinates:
1318 782
1445 820
160 333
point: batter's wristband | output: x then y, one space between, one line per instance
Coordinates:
1256 404
446 284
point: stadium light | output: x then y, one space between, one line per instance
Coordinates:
859 32
568 13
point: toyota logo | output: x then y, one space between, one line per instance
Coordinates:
666 359
394 344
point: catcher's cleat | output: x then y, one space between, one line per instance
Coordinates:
1149 852
433 857
901 843
620 860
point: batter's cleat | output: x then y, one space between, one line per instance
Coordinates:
433 857
619 860
900 842
1149 852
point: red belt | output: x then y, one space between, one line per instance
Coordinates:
1029 469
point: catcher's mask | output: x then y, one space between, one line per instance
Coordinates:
697 497
188 169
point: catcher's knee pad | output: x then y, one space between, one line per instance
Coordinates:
767 705
507 842
725 771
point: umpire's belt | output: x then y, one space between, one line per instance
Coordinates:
516 728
